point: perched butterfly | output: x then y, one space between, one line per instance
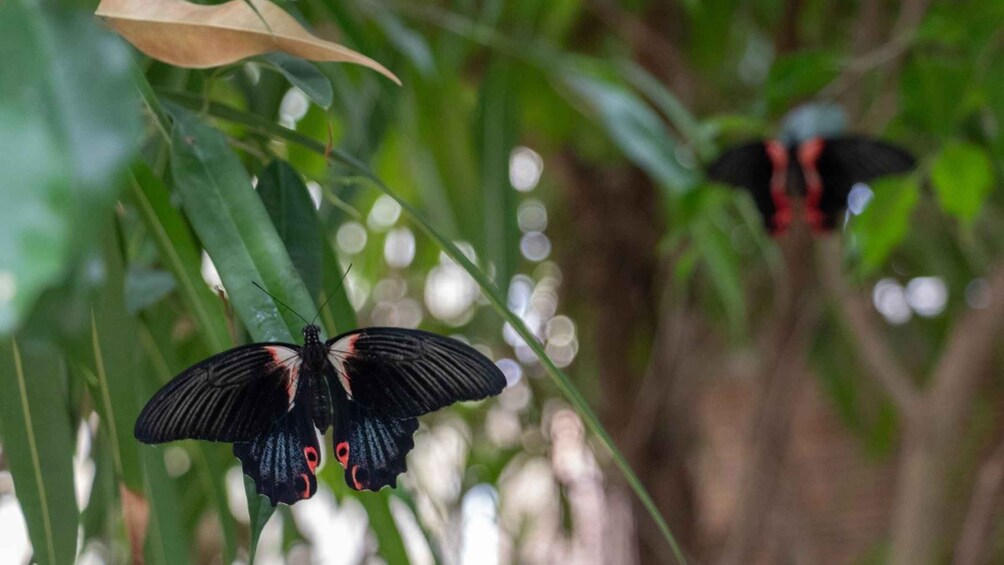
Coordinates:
268 398
822 170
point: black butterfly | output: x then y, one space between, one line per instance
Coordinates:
268 398
820 170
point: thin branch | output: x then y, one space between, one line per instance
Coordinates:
859 320
983 509
969 350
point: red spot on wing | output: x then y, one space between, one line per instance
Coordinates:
808 157
306 487
355 481
311 454
778 155
342 454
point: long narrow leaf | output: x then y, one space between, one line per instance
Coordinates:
38 444
179 254
288 203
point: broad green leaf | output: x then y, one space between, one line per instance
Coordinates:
179 254
68 125
236 230
637 130
303 75
962 176
38 443
295 219
886 220
338 315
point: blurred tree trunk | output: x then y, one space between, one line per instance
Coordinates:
611 265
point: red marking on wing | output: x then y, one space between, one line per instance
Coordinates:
311 454
342 453
306 488
808 156
355 482
778 155
292 371
343 375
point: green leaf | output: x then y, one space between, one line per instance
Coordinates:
303 75
799 74
38 441
259 511
962 176
68 125
180 255
886 220
236 230
497 136
933 92
146 287
292 211
638 131
391 545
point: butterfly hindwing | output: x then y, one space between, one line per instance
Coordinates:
369 446
748 166
232 396
847 160
404 373
282 460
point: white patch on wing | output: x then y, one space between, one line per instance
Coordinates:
337 353
289 360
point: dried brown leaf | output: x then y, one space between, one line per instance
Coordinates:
190 35
136 515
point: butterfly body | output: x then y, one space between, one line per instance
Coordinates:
271 399
819 172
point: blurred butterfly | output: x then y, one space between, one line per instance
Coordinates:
268 398
822 170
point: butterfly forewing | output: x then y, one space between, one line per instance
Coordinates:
845 161
748 166
232 396
405 373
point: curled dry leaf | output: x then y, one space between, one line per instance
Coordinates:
190 35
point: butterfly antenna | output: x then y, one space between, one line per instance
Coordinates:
281 303
332 293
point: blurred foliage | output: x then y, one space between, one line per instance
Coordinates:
124 179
